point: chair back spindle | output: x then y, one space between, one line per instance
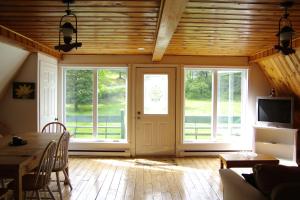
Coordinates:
61 158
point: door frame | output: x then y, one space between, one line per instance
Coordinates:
178 103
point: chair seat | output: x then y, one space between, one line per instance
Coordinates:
28 183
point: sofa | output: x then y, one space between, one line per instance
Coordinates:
275 182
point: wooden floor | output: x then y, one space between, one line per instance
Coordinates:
178 178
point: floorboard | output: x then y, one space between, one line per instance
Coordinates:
137 179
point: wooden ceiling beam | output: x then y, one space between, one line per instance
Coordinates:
12 37
172 11
271 51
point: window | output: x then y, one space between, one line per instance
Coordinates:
156 94
213 104
96 103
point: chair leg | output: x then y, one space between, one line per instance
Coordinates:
38 195
50 192
58 185
68 179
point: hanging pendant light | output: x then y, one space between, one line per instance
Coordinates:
66 30
285 31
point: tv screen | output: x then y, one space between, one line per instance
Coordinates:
275 110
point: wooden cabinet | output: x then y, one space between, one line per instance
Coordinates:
279 142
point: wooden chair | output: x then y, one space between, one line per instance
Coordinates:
61 161
54 127
3 194
40 178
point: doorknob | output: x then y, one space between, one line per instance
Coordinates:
138 112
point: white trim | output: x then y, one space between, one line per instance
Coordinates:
95 102
214 104
126 153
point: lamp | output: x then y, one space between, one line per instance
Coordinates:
67 30
285 31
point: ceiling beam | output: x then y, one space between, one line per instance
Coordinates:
9 36
172 11
269 52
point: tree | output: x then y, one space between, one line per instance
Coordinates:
79 88
198 85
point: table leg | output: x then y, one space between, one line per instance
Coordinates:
18 189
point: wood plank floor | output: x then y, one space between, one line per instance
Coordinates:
157 179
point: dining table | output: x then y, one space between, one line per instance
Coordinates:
16 161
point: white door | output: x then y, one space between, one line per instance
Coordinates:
47 93
155 111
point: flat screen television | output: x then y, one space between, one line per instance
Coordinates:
275 111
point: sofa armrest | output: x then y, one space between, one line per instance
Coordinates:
290 191
236 188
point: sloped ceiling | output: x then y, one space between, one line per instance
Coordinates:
11 59
283 73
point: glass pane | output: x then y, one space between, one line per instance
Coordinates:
112 104
229 105
197 105
79 106
156 94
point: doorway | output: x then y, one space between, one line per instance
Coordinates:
155 111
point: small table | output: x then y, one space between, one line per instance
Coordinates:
246 160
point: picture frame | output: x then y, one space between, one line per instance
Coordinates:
23 90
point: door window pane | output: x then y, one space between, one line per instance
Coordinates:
229 104
197 105
79 103
156 94
112 104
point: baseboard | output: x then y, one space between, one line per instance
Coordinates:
108 153
205 153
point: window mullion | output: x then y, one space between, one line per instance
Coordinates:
214 104
95 103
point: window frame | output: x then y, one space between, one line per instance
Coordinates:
214 99
95 70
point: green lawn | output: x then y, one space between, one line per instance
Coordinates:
204 108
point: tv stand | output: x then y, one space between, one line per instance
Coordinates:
281 143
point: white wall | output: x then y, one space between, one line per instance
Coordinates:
21 114
11 59
258 86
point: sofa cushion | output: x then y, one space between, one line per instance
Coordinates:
290 191
268 177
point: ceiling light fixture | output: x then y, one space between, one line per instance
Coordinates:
285 31
67 30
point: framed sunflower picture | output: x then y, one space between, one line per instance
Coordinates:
23 90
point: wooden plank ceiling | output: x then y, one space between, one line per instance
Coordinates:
206 27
